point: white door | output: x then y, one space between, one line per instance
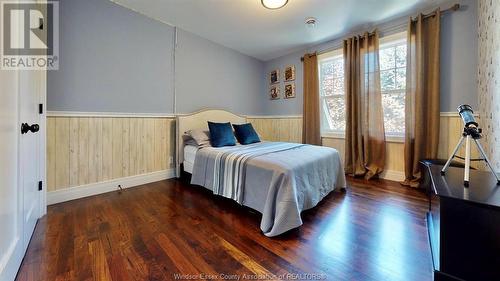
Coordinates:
21 164
29 149
11 213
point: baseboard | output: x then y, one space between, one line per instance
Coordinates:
58 196
393 175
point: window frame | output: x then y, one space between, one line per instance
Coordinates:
324 120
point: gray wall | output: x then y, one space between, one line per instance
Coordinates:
208 75
459 49
116 60
459 57
111 60
284 106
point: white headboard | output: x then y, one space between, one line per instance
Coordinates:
198 120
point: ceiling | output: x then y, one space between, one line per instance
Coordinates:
248 27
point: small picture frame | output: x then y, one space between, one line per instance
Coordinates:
289 74
290 91
274 76
274 92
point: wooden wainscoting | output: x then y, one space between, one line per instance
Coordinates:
290 129
100 151
87 150
451 128
287 129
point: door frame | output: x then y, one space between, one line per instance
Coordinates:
42 99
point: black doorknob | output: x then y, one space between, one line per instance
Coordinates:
25 128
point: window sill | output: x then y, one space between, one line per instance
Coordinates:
395 139
334 135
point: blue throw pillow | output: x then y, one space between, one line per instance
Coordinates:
221 134
246 134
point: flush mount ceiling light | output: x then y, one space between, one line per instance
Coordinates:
273 4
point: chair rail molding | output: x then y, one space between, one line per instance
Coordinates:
108 114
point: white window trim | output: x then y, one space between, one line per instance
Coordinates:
393 39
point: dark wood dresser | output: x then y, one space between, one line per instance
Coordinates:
463 224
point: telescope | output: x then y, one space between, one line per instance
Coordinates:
471 132
465 111
467 114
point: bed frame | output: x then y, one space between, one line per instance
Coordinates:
198 120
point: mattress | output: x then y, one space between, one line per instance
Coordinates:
189 156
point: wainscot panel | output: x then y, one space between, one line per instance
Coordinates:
87 150
278 129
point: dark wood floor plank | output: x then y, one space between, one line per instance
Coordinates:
100 269
117 266
374 231
245 260
181 261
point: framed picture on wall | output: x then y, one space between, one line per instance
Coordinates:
289 73
290 90
274 92
274 76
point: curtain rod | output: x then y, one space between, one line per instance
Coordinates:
445 11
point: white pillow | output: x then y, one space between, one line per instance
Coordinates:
201 137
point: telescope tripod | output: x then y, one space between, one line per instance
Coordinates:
468 135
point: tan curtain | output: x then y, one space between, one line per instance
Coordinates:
311 125
365 135
422 94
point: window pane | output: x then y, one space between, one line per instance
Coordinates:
387 80
332 88
332 77
386 57
327 68
401 55
327 86
338 85
338 68
393 85
336 112
394 112
401 78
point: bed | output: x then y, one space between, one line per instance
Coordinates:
278 179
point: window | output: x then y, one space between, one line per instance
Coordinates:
392 56
332 93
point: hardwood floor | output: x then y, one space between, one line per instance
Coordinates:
374 231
